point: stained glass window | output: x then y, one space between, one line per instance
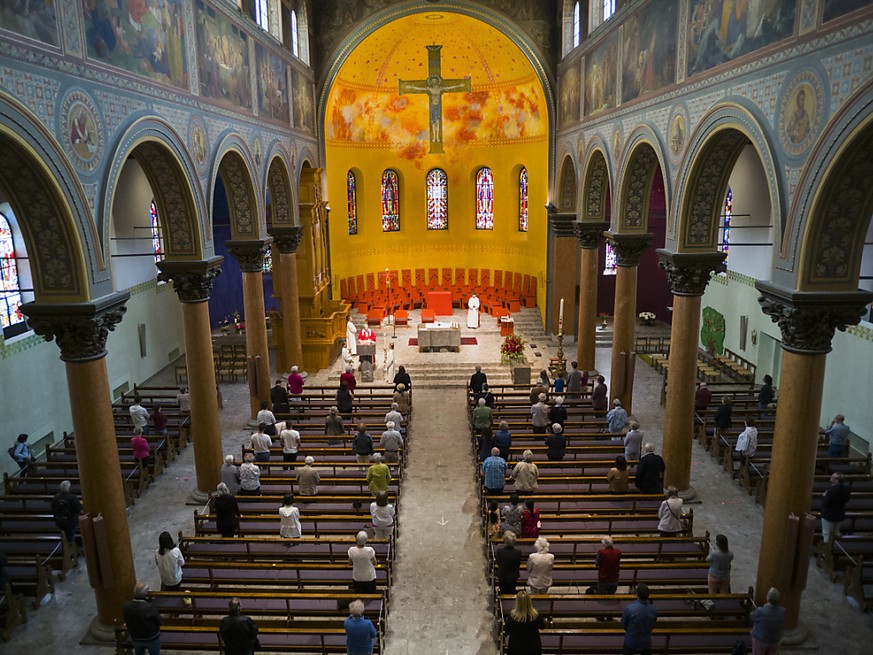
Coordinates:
157 246
577 25
610 263
522 200
352 196
437 200
725 244
390 202
10 290
485 200
268 261
295 43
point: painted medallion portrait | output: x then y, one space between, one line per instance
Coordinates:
801 113
82 133
677 135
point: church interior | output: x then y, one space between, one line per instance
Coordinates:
206 204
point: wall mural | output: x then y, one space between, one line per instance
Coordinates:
571 95
600 67
304 107
649 49
402 122
36 19
722 30
141 37
222 59
836 8
272 86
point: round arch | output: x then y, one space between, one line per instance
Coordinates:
567 186
644 155
280 190
50 207
596 184
234 163
833 212
703 175
171 173
491 17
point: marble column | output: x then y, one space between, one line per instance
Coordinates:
250 255
688 274
192 281
564 255
628 250
287 239
80 330
590 236
807 321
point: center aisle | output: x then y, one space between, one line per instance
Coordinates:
439 599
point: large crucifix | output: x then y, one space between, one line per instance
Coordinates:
435 86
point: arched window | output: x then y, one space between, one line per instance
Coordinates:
155 224
437 200
725 241
295 36
608 8
577 26
352 196
10 288
522 199
390 202
611 263
484 199
262 14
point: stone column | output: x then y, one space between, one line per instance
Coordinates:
688 274
628 250
807 321
250 255
80 331
287 239
192 281
563 271
590 235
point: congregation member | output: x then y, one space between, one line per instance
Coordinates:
768 625
482 416
230 474
616 418
401 397
22 455
308 478
543 380
348 376
362 444
530 520
503 439
539 415
382 514
486 443
525 474
261 444
279 398
139 415
650 472
719 576
239 633
833 507
765 393
556 443
633 441
362 559
226 510
142 449
838 437
143 622
638 621
267 418
617 476
608 563
508 560
537 391
722 419
522 627
403 378
539 567
574 378
486 395
670 522
391 442
169 560
360 631
513 515
747 442
493 521
395 417
249 477
183 399
599 399
66 509
477 380
289 518
295 385
345 401
378 475
333 426
290 439
702 397
159 421
494 472
558 413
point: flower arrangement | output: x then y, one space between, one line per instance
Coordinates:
648 318
512 348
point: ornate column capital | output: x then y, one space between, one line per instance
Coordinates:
249 253
688 272
562 224
807 319
192 280
628 247
286 237
589 234
80 329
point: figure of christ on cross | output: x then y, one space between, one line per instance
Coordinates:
435 86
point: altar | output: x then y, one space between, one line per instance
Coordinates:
434 336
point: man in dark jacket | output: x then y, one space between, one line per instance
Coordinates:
477 380
238 632
279 398
508 559
143 622
833 507
650 472
66 508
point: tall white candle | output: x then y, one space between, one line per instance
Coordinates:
561 318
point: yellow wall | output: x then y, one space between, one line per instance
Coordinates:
414 246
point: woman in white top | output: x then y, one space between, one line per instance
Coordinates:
169 559
289 518
670 514
267 417
539 567
363 560
383 515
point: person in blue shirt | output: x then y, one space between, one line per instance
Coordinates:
22 454
360 632
494 473
838 433
617 417
638 622
768 622
503 440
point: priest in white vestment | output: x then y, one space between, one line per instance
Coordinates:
389 364
473 312
352 337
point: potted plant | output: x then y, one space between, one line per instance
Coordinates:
647 318
512 353
603 323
